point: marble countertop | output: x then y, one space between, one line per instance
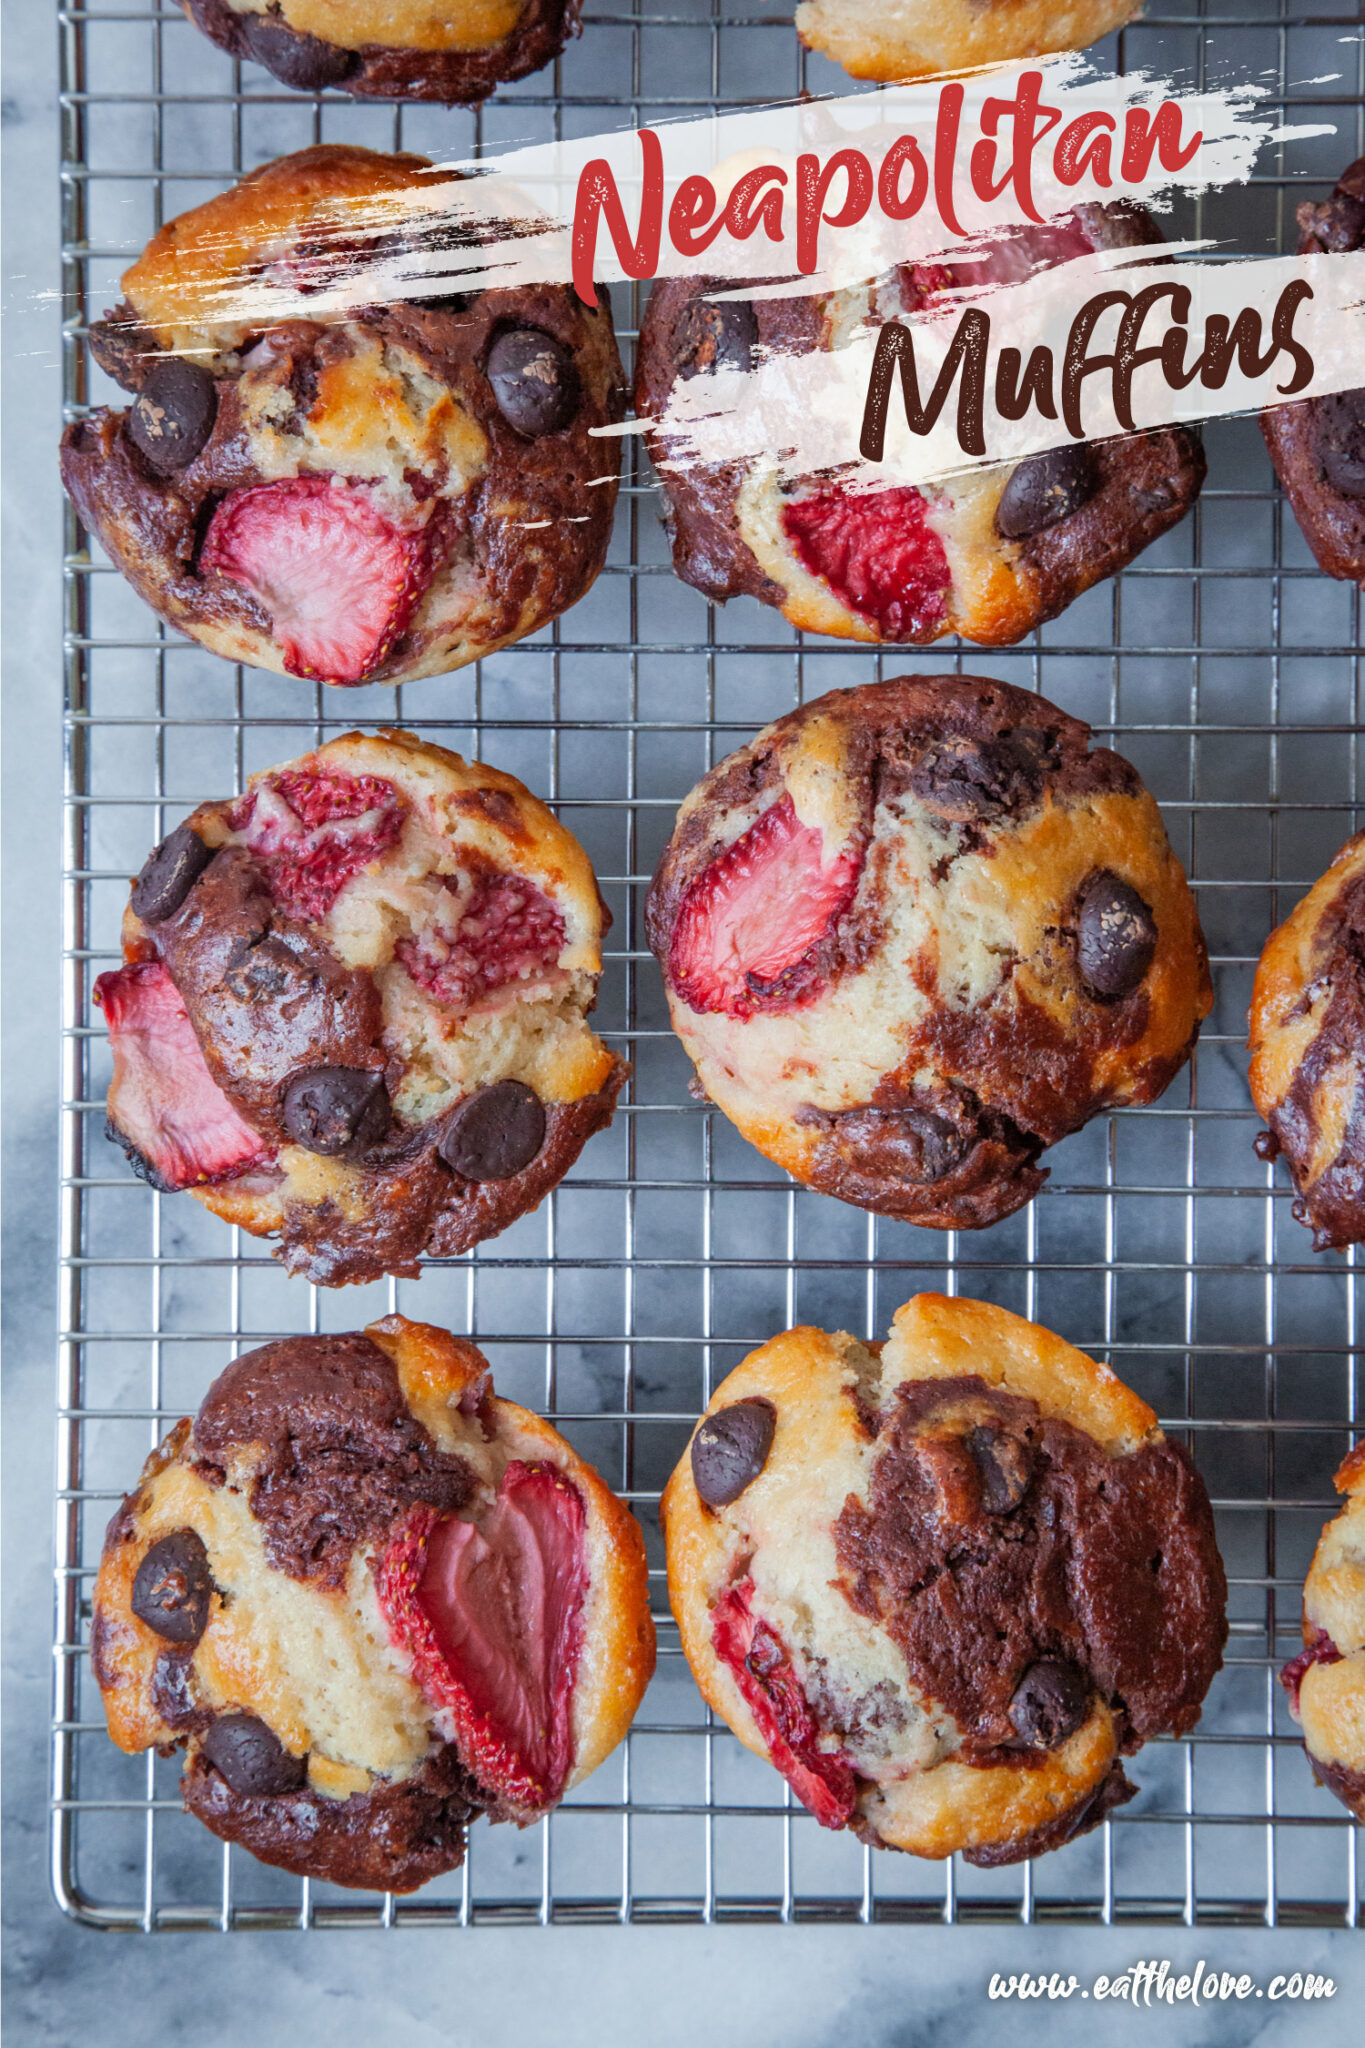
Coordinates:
64 1984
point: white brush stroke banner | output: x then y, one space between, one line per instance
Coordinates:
803 414
509 220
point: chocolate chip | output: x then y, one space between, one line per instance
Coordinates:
174 1586
1339 434
174 413
1336 224
305 62
338 1112
1005 1464
533 379
1115 936
172 1694
962 779
1047 488
252 1758
495 1132
1050 1703
169 873
730 1449
1157 497
716 337
938 1143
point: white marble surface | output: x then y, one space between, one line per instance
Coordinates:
64 1984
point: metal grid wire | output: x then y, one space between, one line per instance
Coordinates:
1222 663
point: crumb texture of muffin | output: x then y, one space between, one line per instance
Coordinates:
919 930
1318 444
371 497
891 40
1326 1681
455 52
370 1600
1307 1039
946 1583
989 554
353 1010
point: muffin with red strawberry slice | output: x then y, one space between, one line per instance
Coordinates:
1326 1681
353 1012
946 1583
365 496
370 1600
989 554
917 931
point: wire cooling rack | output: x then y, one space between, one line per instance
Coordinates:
1222 663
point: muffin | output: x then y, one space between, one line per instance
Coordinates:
944 1584
453 51
1318 444
898 39
988 554
1326 1681
915 932
1307 1032
370 1600
365 497
353 1012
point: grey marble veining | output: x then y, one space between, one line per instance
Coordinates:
802 1986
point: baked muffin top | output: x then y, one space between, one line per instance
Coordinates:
917 930
355 1007
975 1570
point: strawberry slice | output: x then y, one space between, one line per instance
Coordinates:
165 1108
1322 1650
822 1779
508 931
748 925
339 581
315 829
491 1615
1004 259
877 552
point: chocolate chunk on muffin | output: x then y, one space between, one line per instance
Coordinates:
369 496
1326 1681
917 931
454 51
963 1575
891 40
989 554
370 1600
1307 1034
353 1012
1318 444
